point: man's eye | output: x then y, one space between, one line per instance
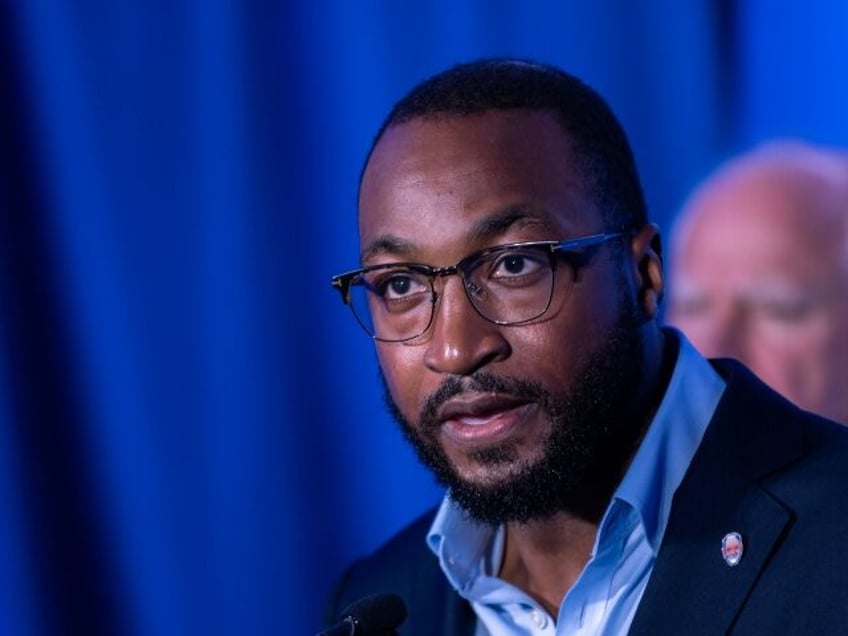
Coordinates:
515 264
399 286
786 311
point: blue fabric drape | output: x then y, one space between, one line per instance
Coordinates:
192 434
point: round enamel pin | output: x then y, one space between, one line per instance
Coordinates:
732 548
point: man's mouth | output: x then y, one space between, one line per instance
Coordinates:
486 419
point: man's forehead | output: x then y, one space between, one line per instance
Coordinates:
423 138
518 155
782 238
769 197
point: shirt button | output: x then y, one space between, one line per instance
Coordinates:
539 619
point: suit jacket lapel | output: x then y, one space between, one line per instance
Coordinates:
438 609
692 590
459 618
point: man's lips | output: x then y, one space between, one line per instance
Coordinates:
482 419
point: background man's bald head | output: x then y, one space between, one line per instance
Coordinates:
759 269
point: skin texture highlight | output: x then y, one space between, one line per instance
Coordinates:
760 271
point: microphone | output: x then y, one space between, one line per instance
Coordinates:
374 615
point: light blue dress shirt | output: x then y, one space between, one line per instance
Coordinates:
604 598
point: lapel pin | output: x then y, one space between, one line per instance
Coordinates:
732 548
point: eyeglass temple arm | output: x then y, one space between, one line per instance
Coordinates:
589 241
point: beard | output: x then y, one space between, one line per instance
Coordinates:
593 434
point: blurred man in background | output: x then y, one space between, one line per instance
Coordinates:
759 270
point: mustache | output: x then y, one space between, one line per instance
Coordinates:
480 382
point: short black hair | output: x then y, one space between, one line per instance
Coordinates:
599 141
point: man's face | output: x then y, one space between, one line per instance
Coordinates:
760 275
513 418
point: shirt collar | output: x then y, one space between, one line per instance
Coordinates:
463 545
660 463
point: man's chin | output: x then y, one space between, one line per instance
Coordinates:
483 479
495 502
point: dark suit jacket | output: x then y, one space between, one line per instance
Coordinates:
773 473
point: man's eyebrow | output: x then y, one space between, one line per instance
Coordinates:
778 291
498 223
386 244
494 225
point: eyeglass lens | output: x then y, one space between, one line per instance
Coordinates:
506 286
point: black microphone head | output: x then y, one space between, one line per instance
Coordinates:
376 614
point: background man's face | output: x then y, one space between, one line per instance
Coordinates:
482 402
760 275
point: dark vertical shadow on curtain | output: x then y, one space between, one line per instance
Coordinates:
728 89
74 582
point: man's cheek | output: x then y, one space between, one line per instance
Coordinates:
401 386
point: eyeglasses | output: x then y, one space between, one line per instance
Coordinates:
507 285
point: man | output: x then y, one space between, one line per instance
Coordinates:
602 476
760 270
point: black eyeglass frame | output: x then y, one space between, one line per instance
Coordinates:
343 282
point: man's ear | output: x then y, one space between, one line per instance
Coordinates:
646 247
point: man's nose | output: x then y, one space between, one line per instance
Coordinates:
461 340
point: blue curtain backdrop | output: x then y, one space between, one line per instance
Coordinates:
192 433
